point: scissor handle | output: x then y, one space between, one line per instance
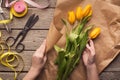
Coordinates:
10 41
20 47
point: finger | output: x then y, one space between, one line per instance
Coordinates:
84 52
45 59
91 44
92 47
41 50
91 58
88 46
85 58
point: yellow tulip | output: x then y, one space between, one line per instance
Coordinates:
90 13
79 14
94 33
71 17
86 10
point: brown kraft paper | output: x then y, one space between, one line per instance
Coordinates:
106 15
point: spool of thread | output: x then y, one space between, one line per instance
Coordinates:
19 9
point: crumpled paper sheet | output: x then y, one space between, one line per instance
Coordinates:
106 14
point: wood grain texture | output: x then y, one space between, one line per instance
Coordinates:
41 2
103 76
110 76
115 65
45 18
35 37
10 75
27 55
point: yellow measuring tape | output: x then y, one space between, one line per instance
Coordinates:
10 59
14 13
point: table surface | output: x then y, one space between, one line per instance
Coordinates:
35 37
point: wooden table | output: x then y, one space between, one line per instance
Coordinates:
35 37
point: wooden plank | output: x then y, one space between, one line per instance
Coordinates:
36 40
114 66
103 76
39 35
106 75
10 76
110 76
45 18
52 2
42 2
27 55
112 72
33 39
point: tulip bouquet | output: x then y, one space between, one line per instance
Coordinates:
76 40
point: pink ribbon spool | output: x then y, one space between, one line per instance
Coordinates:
19 7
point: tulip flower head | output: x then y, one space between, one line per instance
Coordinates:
87 10
71 17
94 33
79 13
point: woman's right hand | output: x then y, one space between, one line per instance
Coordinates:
89 61
89 54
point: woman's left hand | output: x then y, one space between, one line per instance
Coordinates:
39 57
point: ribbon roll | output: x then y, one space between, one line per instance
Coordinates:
8 58
19 9
1 78
7 61
4 60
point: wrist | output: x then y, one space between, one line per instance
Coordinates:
91 63
91 66
35 70
32 74
91 69
92 73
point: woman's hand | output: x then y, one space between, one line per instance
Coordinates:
39 57
89 61
89 54
38 61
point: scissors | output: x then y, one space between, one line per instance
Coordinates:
3 17
29 24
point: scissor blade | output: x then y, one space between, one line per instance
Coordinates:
34 21
29 20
